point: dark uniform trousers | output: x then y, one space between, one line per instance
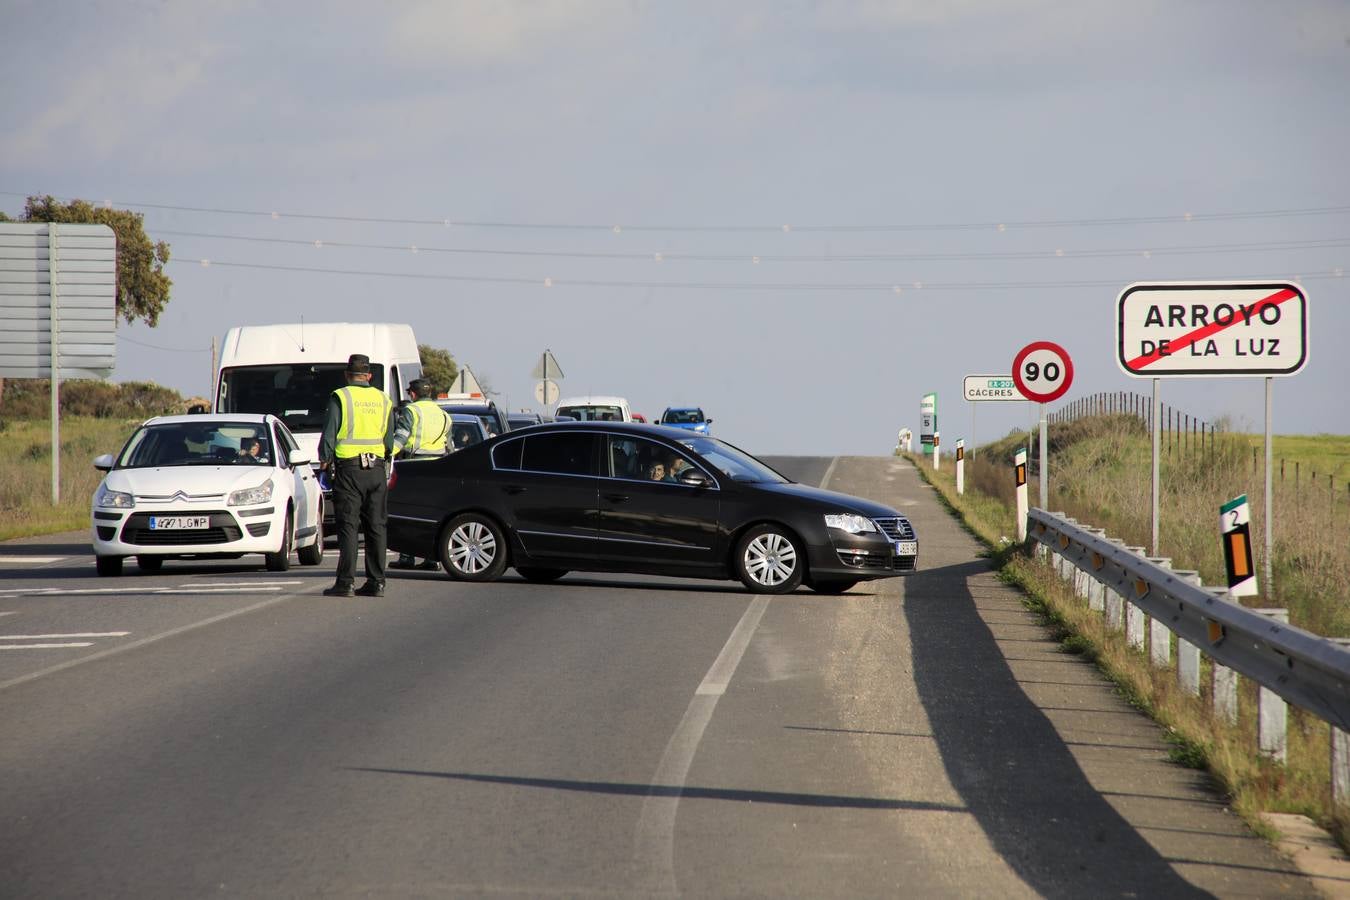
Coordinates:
361 500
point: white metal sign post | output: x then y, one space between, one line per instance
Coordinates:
58 309
1043 371
1213 329
1234 519
1020 484
960 467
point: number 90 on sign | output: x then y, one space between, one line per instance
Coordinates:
1042 371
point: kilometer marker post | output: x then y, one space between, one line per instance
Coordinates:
1235 526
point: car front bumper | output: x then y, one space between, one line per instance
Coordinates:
861 556
230 530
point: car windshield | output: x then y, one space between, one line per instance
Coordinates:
735 464
295 393
682 417
592 413
197 444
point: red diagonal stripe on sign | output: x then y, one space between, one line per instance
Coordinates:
1205 331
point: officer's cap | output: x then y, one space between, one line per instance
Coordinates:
420 386
358 364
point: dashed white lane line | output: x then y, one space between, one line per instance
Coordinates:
138 591
56 637
11 613
44 646
12 559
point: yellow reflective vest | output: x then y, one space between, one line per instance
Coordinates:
365 418
430 427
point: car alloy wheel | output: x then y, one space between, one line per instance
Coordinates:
473 548
768 561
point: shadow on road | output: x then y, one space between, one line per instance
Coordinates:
1011 768
623 789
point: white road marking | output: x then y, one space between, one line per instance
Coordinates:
14 613
31 560
88 592
41 646
829 473
172 632
655 840
216 584
44 637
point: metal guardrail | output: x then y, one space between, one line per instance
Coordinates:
1308 671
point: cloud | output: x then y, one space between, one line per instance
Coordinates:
501 32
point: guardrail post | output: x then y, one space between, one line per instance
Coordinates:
1272 713
1340 757
1159 635
1114 602
1188 655
1134 617
1092 588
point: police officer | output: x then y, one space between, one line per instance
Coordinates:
358 439
423 428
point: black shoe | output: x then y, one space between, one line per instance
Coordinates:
429 565
338 591
370 590
404 561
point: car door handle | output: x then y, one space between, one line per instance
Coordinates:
616 498
513 489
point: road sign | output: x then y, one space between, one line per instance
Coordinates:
1235 525
1042 371
981 388
466 383
547 368
71 269
927 422
1212 328
546 392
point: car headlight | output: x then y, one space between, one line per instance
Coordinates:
114 499
853 524
250 496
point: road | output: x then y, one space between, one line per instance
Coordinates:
221 730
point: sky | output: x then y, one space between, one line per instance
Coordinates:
800 216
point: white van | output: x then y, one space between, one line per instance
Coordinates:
595 408
290 370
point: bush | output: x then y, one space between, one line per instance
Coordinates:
30 399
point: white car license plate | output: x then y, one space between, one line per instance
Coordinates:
906 548
179 523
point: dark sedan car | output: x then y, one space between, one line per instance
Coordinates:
621 497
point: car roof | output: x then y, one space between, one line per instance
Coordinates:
697 409
208 418
661 431
593 400
466 418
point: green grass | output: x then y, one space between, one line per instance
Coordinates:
26 479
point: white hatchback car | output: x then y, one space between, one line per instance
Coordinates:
218 485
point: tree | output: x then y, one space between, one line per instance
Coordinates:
438 367
142 286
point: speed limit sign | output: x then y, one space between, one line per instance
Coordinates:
1042 371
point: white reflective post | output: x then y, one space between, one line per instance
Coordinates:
960 467
1020 479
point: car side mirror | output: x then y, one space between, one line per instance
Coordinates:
708 421
297 458
104 463
694 478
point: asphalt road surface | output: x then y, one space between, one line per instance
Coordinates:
216 729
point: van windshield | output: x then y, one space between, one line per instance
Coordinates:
592 413
296 393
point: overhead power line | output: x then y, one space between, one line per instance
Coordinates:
676 256
551 282
618 227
